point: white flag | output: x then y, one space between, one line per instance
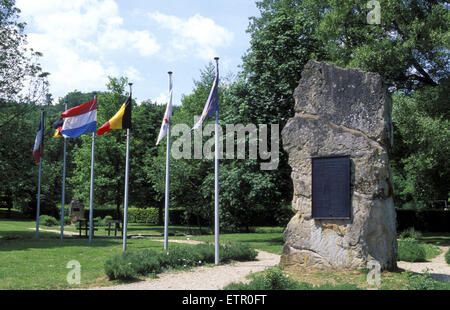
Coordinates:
167 116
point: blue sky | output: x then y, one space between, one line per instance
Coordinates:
84 41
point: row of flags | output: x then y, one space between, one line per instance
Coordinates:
83 119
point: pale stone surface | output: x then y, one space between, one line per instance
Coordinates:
341 111
76 211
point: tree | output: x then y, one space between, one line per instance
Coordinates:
109 167
409 48
21 77
421 168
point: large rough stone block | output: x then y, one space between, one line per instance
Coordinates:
342 111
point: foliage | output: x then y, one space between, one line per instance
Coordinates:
67 220
129 265
276 279
410 233
147 215
48 220
21 77
110 149
410 250
421 168
424 281
409 48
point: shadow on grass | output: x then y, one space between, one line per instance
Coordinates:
20 240
273 241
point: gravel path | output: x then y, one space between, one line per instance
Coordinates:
440 270
68 233
203 278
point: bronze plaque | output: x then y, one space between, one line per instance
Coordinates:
331 197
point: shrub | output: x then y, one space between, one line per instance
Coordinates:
275 279
421 281
105 219
410 250
47 207
121 267
410 233
129 265
144 216
431 251
237 251
67 220
47 220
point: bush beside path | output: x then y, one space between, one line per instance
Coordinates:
204 277
437 266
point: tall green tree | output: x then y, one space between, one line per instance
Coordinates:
21 77
408 48
109 167
421 168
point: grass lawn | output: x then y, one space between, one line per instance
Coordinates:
26 263
267 241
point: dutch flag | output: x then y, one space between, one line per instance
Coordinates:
79 120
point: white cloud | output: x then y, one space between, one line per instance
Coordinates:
133 74
197 34
161 99
75 37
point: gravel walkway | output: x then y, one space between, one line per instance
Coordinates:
440 270
203 278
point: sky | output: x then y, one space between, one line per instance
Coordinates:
85 41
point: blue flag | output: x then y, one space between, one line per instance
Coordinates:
212 104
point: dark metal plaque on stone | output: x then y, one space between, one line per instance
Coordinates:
331 187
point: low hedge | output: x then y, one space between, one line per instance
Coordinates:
130 265
102 212
423 220
411 251
48 220
143 216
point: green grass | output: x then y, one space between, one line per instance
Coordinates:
26 263
270 242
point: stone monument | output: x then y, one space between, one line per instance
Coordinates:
341 112
76 211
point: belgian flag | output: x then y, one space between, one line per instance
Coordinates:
122 119
58 127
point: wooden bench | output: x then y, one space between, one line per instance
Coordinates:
83 224
115 228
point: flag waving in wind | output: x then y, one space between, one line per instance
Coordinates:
38 149
80 119
167 116
58 128
122 119
212 104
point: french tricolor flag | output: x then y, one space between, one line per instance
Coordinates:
38 149
80 119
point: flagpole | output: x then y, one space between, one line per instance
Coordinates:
63 186
166 209
127 166
39 178
91 194
216 170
